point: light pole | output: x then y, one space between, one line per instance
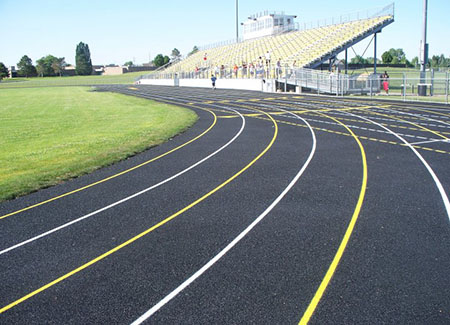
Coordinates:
237 23
424 45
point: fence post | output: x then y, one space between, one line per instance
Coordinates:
404 86
317 76
337 85
432 83
446 87
370 86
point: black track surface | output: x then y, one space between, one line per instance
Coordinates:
394 270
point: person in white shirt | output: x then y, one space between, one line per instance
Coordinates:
267 58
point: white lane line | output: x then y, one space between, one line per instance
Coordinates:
424 162
430 141
202 270
398 121
418 116
131 196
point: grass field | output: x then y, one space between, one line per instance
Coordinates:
398 72
126 78
51 134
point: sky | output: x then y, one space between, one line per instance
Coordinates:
136 30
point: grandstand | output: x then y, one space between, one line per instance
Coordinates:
308 48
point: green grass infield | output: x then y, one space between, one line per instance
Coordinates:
126 78
48 135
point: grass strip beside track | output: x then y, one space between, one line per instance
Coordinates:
126 78
51 134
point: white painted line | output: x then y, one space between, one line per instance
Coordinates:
430 141
131 196
427 166
202 270
419 116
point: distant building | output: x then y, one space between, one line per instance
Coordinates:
69 70
12 73
98 69
149 64
108 71
267 23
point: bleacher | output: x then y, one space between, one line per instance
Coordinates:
305 48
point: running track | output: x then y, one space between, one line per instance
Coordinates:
272 209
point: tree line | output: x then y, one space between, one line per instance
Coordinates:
175 55
51 65
397 56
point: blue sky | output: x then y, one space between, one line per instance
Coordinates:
119 31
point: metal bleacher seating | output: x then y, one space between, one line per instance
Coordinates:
304 47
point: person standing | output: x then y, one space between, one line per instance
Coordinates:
294 66
252 69
385 78
278 69
213 80
267 58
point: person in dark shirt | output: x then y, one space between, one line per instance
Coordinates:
213 80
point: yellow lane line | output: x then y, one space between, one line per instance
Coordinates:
337 258
406 121
407 107
361 137
303 111
118 174
142 234
366 122
385 124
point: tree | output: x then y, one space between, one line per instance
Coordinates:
58 65
370 60
44 65
399 54
443 61
26 67
358 60
415 61
434 62
387 57
194 50
166 59
83 63
128 63
175 54
160 60
3 71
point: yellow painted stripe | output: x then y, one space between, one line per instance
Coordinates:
118 174
337 258
406 121
142 234
349 135
133 88
334 264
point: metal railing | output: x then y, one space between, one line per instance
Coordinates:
404 87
